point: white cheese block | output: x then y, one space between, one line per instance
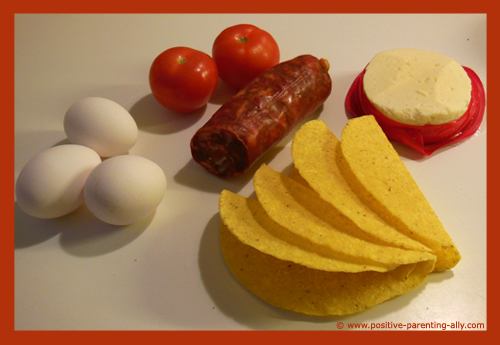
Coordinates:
417 87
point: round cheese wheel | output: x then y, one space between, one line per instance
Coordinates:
417 87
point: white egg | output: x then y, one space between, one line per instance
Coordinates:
101 124
51 184
125 189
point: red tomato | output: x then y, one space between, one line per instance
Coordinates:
242 52
183 79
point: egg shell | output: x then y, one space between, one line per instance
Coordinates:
125 189
51 184
101 124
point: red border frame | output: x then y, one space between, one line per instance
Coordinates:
199 6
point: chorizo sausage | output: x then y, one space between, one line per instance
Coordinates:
260 115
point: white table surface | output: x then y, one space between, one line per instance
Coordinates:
167 272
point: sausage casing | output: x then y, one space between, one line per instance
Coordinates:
260 115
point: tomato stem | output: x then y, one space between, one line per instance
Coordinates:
242 39
181 60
